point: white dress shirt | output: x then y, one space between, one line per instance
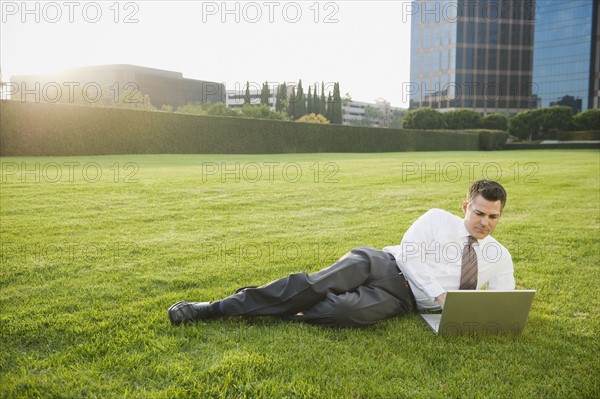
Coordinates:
430 257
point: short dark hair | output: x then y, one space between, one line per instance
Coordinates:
489 189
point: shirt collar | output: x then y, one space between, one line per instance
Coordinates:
463 232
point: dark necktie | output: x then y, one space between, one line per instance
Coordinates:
468 273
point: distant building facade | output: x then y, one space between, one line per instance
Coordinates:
164 88
566 55
505 55
235 98
472 54
358 113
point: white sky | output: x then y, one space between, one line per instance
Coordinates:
365 45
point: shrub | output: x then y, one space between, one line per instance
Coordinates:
460 119
263 111
220 109
494 122
579 135
526 125
588 120
491 139
539 123
313 118
556 118
423 118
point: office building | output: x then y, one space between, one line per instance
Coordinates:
472 54
235 98
359 113
115 83
566 57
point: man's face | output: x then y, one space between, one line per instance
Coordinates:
481 216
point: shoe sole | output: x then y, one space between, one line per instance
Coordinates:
174 322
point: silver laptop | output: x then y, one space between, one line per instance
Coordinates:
482 312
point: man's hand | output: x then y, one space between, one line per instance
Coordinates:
441 299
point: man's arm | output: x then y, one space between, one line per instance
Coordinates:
503 278
441 299
414 249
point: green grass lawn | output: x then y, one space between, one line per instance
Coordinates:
95 249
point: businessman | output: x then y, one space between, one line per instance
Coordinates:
439 252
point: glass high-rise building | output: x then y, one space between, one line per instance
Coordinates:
472 54
565 60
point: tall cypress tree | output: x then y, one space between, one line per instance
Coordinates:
337 105
315 100
247 94
309 102
265 94
323 101
282 99
278 98
300 102
292 104
329 111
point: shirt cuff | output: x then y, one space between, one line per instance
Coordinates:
433 290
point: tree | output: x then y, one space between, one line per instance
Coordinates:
197 108
495 122
282 102
587 120
323 100
220 109
423 118
459 119
292 104
329 114
396 119
556 118
536 124
265 94
314 118
300 102
373 115
310 105
247 94
526 125
315 99
337 105
262 112
347 99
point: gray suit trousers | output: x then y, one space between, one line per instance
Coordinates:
363 287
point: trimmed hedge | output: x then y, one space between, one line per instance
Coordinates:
41 129
575 135
565 145
489 139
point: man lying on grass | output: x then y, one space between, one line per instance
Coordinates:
439 252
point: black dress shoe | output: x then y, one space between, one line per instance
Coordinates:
183 312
